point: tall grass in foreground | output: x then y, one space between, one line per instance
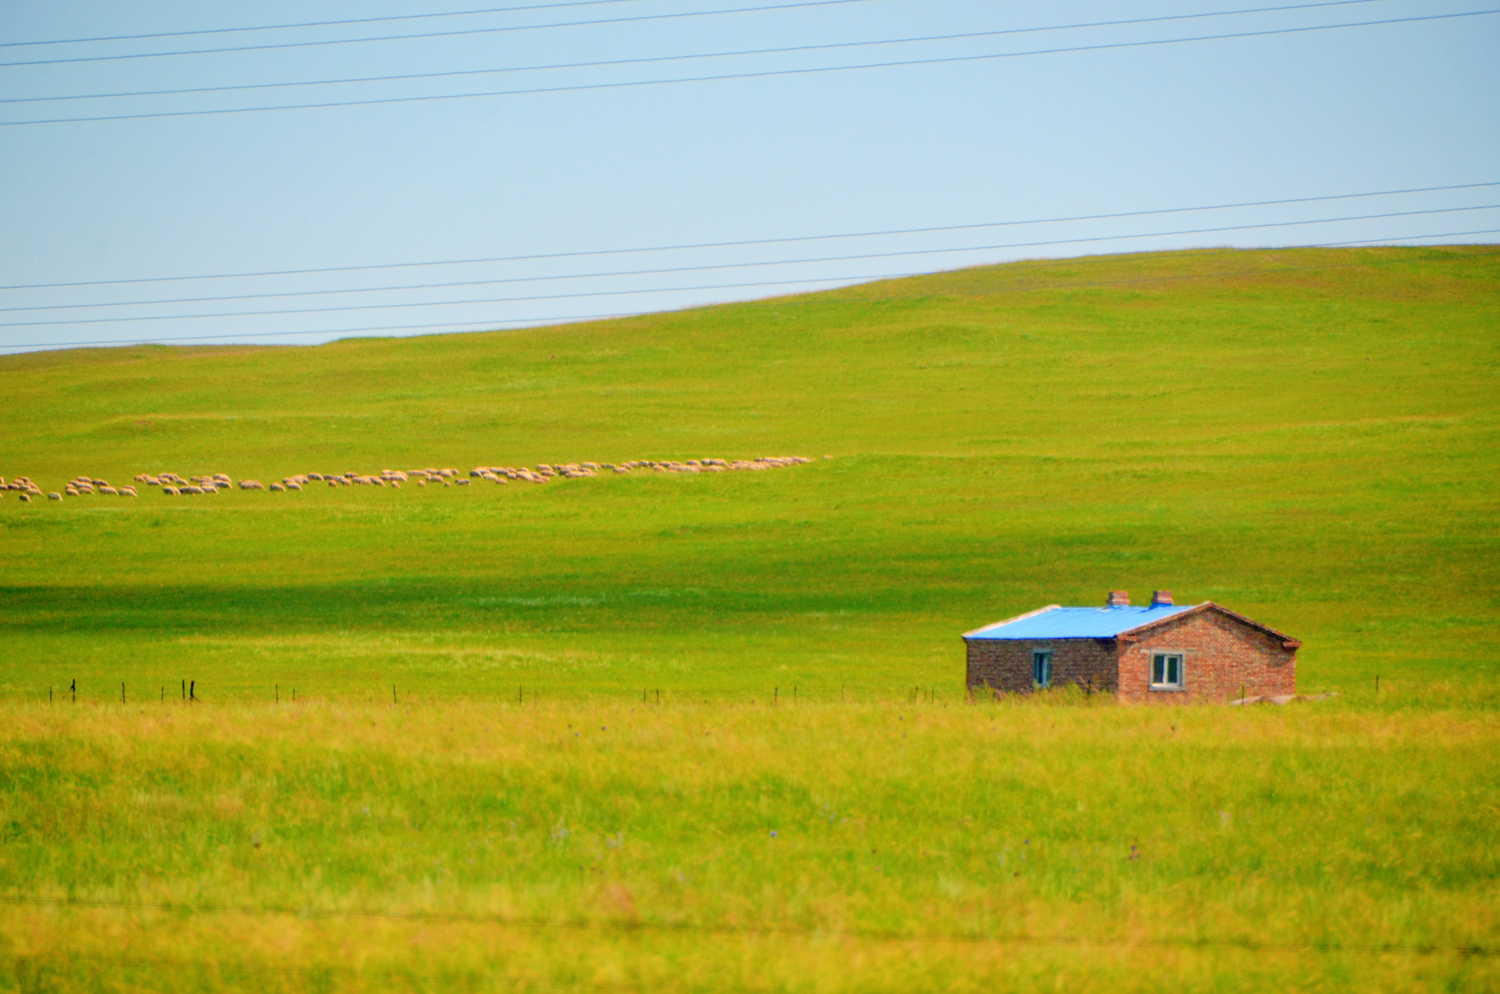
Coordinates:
813 847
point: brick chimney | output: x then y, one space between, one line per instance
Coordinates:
1118 598
1161 598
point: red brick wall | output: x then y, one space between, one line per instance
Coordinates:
1005 665
1220 655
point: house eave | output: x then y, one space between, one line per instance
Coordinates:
1020 617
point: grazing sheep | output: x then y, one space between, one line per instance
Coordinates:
101 483
54 495
108 490
169 491
421 481
25 499
190 490
277 488
460 481
127 491
293 485
251 485
71 491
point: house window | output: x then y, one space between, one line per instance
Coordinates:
1041 669
1166 671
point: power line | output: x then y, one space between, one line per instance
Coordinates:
632 292
709 267
757 241
451 303
766 74
1407 238
673 58
313 24
437 34
492 324
783 931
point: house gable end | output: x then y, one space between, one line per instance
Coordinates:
1287 642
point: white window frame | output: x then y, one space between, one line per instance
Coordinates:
1181 658
1044 657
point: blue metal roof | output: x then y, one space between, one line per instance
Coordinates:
1078 622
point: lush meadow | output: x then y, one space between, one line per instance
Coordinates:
470 789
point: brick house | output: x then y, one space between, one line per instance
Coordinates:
1163 653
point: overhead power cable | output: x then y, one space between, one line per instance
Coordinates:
764 74
718 286
409 77
532 322
314 24
712 266
437 34
742 243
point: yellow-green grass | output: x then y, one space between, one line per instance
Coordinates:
711 847
1306 436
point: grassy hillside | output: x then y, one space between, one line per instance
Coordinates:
1308 437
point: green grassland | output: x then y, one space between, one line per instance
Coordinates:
1306 436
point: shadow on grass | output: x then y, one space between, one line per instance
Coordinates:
395 604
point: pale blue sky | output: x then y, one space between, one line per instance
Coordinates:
1352 110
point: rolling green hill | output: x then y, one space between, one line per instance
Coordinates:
1307 436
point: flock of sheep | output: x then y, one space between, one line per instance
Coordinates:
173 485
77 487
